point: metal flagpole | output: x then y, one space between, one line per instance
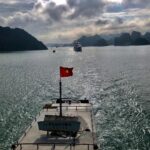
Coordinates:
60 98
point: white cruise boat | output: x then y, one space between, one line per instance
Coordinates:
77 46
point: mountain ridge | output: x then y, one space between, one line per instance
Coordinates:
122 39
17 39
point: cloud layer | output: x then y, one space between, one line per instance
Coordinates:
52 22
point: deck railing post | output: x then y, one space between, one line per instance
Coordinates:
70 147
37 146
88 147
13 147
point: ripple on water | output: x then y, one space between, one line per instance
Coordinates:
122 123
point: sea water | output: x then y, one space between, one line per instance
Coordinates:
115 79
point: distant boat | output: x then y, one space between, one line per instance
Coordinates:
77 46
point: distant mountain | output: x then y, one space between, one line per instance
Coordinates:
123 39
95 40
110 38
18 40
140 41
147 36
135 38
101 42
135 35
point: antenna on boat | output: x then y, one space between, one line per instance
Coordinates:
64 72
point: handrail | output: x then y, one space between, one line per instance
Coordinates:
72 106
76 108
50 144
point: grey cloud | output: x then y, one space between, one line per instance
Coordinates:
119 20
111 7
55 12
18 13
7 9
2 21
73 3
40 14
126 5
136 3
101 22
20 19
121 28
51 10
85 8
37 5
147 24
116 21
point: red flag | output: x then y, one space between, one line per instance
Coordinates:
66 72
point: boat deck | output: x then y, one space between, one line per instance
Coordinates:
34 139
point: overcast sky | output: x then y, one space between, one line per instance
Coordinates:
65 20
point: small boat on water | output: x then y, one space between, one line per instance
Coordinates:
77 46
63 124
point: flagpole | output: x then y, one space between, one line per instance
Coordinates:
64 72
60 98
